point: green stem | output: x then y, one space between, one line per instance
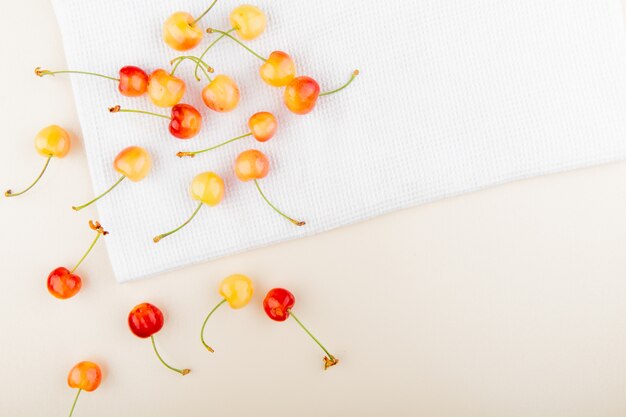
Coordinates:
195 72
205 12
9 193
296 222
180 371
352 77
193 154
76 208
118 109
158 238
42 73
312 337
206 68
228 35
74 403
86 253
209 348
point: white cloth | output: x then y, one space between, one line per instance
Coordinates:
453 96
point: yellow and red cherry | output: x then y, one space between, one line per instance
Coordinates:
133 163
236 290
144 320
278 69
185 120
221 94
181 31
248 21
207 188
262 126
62 282
253 165
278 304
84 376
51 141
132 81
164 89
302 92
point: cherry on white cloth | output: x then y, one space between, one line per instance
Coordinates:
453 96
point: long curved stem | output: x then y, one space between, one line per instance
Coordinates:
228 35
158 238
204 13
195 72
296 222
9 193
336 90
74 403
206 68
42 72
209 348
86 253
193 154
180 371
329 360
76 208
118 109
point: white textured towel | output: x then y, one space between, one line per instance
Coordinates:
454 95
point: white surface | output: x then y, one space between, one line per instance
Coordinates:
506 302
454 96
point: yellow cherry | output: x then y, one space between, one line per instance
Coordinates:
207 188
278 70
181 32
51 141
249 21
164 89
221 94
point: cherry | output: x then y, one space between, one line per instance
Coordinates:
84 376
185 120
51 141
144 321
133 163
221 94
237 291
301 93
132 81
63 283
278 304
164 89
248 21
252 165
262 126
181 31
277 70
207 188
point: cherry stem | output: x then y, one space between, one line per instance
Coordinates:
205 12
100 232
228 35
180 371
75 400
206 68
195 72
9 193
352 77
193 154
296 222
76 208
118 109
42 72
209 348
158 238
330 360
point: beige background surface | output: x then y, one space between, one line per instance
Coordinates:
507 302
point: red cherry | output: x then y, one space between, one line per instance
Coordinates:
186 121
145 320
301 94
277 304
133 81
63 284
